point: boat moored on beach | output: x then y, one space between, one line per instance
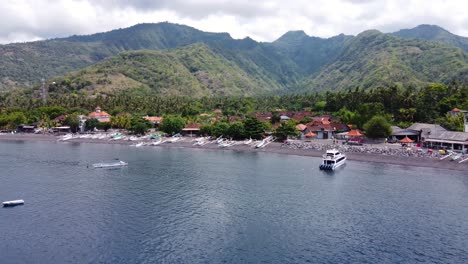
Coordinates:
332 160
13 203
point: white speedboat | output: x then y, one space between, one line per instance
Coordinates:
110 165
248 141
13 203
332 160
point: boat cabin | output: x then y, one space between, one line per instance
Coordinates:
333 156
332 153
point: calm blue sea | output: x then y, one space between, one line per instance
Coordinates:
218 206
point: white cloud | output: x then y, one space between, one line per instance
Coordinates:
25 20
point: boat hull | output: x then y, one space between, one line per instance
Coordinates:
110 165
13 203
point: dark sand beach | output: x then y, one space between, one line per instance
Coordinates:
275 147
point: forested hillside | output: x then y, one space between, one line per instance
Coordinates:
373 59
222 66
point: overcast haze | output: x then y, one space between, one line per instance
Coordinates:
27 20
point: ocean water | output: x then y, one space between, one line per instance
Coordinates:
175 205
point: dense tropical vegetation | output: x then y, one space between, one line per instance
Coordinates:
396 105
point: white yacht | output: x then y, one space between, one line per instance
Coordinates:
332 160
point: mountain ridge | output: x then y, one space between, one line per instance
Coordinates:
434 33
295 62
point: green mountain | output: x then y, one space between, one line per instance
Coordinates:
24 64
194 70
310 53
373 59
434 33
176 59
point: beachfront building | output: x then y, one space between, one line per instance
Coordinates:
100 115
425 130
324 129
191 130
26 128
400 133
457 141
302 129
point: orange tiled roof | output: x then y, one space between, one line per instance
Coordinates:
193 126
104 120
154 119
301 127
354 133
100 114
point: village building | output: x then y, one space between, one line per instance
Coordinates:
416 132
425 130
155 120
264 116
400 133
457 141
59 119
324 129
26 128
191 130
100 115
296 115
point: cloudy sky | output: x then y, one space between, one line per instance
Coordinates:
26 20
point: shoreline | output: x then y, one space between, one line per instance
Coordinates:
275 147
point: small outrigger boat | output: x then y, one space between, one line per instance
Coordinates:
457 156
116 136
110 165
66 137
13 203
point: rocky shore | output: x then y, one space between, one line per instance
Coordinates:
382 153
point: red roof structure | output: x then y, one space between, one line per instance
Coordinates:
310 134
154 119
301 127
192 127
59 118
101 116
263 116
406 140
354 133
